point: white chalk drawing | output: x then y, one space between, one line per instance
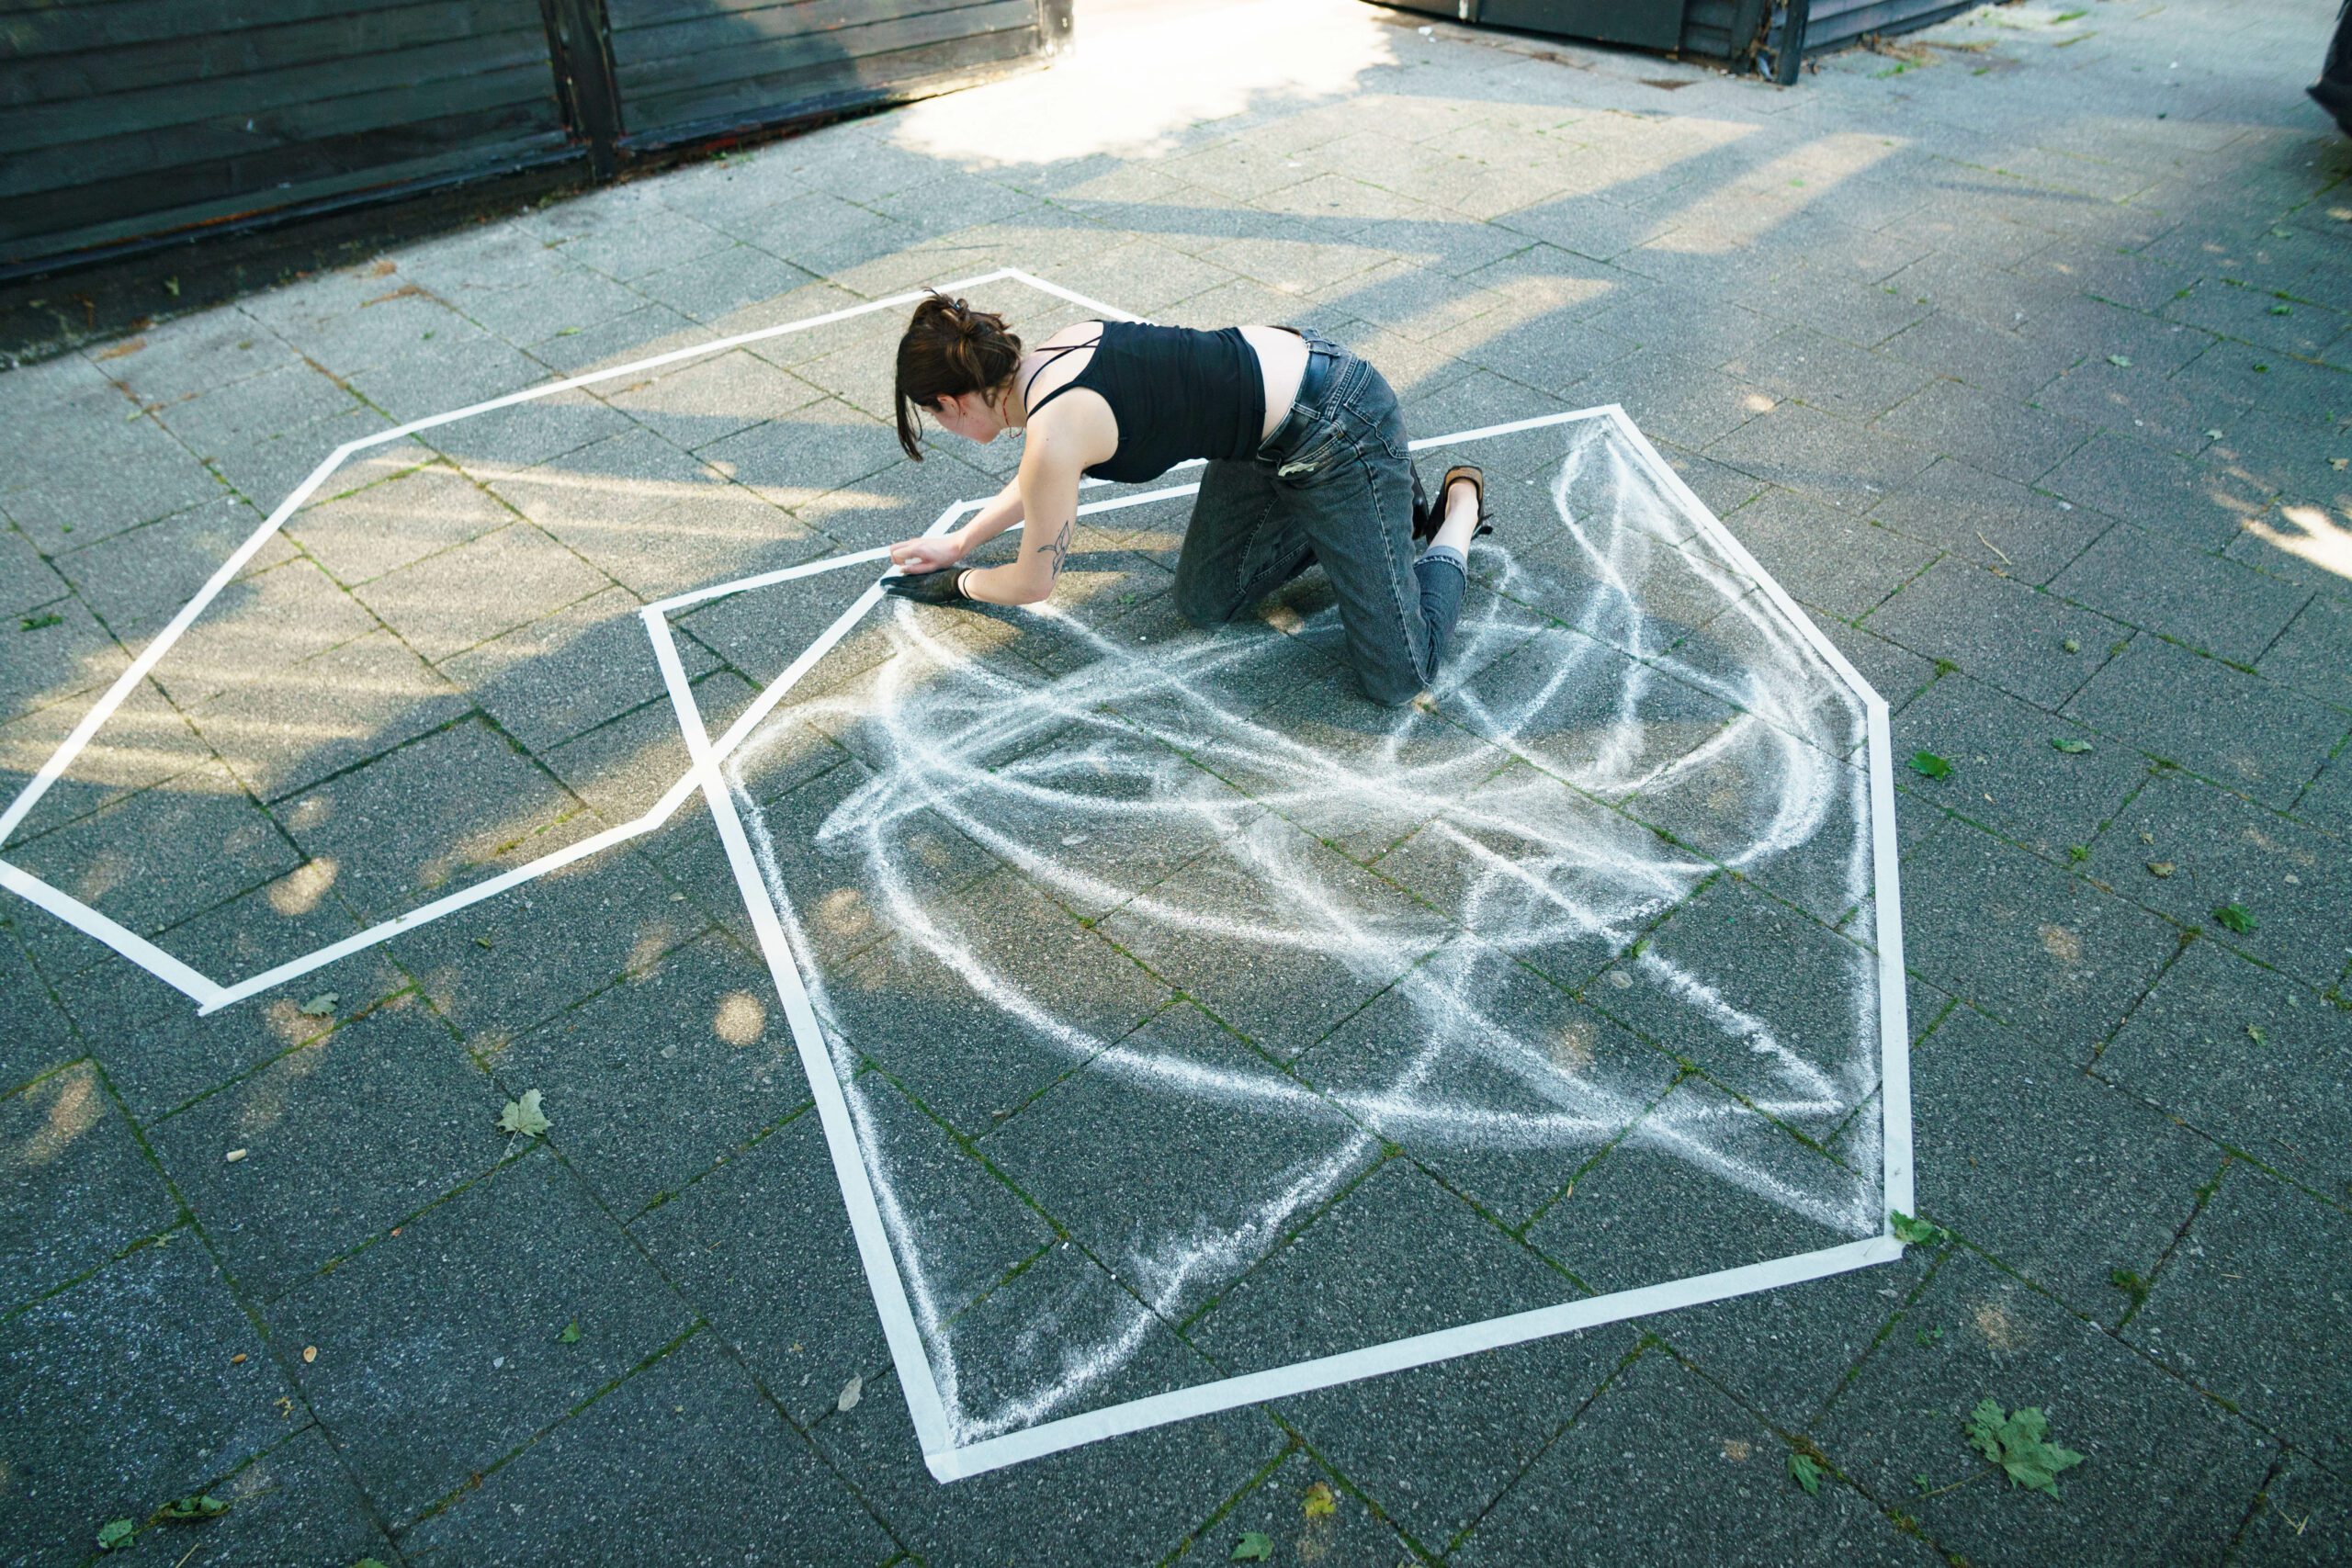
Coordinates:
1672 686
1523 785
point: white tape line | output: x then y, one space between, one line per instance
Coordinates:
882 1276
1399 1354
215 996
129 944
1894 996
71 748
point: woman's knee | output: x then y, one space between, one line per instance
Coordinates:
1390 690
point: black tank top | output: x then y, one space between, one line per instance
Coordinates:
1175 392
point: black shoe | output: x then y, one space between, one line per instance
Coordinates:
1427 521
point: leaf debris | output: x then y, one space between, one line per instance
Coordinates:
524 1116
1806 1473
2071 746
852 1391
2018 1444
1255 1546
321 1004
1926 764
2235 918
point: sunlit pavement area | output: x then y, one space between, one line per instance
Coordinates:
2018 352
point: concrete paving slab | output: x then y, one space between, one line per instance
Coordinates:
2232 727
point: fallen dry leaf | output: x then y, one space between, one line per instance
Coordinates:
310 1354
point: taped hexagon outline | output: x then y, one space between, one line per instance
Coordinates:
211 995
949 1460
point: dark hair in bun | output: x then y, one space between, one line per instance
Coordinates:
950 349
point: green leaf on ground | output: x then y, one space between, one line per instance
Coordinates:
1806 1473
571 1334
2071 746
2020 1444
2072 646
1913 1232
2120 361
1927 765
2235 918
2257 1034
1924 1337
2161 868
524 1116
1320 1504
2078 853
1255 1546
46 619
184 1511
2282 310
114 1533
320 1005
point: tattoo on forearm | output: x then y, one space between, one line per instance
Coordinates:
1059 549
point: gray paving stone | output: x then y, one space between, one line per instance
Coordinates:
1819 454
919 1015
1285 1508
92 471
1102 1516
1822 556
1992 520
82 1190
1699 1151
1997 630
138 579
259 624
439 1354
285 398
565 673
325 1109
494 446
144 742
2191 1048
281 730
462 597
712 288
25 577
1827 372
662 1073
2313 652
45 661
37 1033
293 1503
2256 1252
196 353
1724 1474
705 400
1896 674
497 969
623 767
2165 1472
1785 1352
2208 604
149 1339
153 859
1441 1063
362 535
1435 1446
686 1453
2016 441
1281 995
2052 1173
2305 1515
2140 484
440 812
2032 946
2007 773
2235 728
734 1239
2226 850
158 1053
1332 1287
2002 364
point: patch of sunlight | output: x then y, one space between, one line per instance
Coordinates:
2323 542
1132 91
1727 217
74 1110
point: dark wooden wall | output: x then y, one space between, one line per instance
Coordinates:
124 121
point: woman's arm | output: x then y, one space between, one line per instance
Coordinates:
932 554
1046 499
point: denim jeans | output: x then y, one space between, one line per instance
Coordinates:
1333 485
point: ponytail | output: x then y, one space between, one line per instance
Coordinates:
950 349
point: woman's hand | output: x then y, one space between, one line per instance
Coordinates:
916 556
